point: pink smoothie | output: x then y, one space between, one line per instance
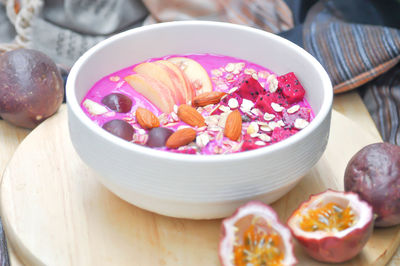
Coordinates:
210 139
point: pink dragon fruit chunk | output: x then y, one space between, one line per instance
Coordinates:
291 87
264 101
250 89
289 119
249 143
279 134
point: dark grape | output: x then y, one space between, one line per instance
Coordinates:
158 136
117 102
120 128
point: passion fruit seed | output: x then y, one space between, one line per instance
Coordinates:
258 248
329 218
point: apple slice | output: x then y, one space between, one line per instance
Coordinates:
159 73
180 80
195 72
155 91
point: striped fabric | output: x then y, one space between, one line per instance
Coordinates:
352 54
355 54
382 98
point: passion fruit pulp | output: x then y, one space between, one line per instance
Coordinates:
253 235
332 226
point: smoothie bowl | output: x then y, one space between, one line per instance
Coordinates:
192 119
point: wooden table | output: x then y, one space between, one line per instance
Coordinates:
349 104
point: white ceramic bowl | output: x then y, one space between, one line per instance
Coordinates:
191 186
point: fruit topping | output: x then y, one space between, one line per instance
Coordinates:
158 136
291 87
153 90
206 98
233 126
264 102
289 117
250 89
279 133
190 116
332 226
374 174
180 138
253 235
117 102
195 74
146 118
120 128
249 143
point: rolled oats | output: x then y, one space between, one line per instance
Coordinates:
300 123
293 109
277 107
233 103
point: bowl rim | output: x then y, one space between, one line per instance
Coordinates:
74 105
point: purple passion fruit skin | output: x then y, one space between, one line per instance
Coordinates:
374 174
332 226
31 87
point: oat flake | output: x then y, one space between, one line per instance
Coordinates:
264 137
202 140
268 116
300 123
273 125
273 85
293 109
252 128
277 107
266 128
233 90
246 105
229 67
260 143
94 108
233 103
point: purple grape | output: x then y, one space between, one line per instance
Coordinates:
117 102
158 136
120 128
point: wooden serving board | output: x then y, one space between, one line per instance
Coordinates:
55 212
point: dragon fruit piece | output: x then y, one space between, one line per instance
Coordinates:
249 143
263 102
235 95
291 87
250 89
289 119
280 133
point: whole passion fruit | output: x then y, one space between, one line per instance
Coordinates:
31 87
374 174
332 226
253 235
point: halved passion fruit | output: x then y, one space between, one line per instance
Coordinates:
332 226
253 235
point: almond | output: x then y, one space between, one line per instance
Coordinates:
146 118
190 116
233 125
206 98
180 138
